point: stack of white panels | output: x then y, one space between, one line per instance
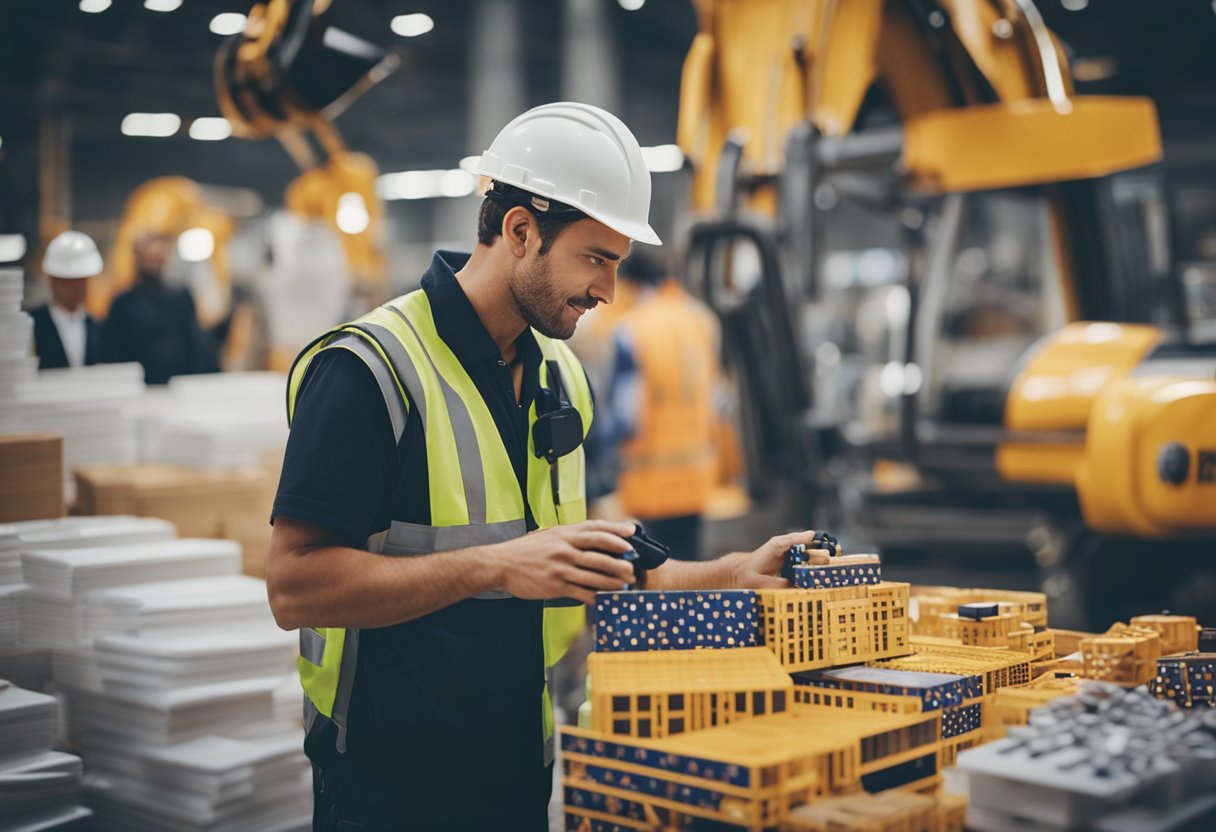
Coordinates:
152 667
39 788
17 366
32 666
54 605
69 574
225 420
87 406
227 602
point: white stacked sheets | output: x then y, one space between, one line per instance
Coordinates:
39 788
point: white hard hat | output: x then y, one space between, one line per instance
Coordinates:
580 155
72 254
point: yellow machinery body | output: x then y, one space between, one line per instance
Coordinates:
1082 414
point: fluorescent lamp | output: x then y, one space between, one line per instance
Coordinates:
157 125
210 129
412 25
228 23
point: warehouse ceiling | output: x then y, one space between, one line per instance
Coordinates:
95 68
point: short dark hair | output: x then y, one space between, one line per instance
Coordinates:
502 198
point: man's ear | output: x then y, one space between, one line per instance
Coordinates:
518 229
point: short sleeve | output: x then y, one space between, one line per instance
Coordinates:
342 461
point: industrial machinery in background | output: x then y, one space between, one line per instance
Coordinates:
288 76
946 293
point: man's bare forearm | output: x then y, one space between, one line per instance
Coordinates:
680 574
337 586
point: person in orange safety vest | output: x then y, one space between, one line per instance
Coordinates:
665 372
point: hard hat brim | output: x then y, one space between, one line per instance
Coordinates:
639 232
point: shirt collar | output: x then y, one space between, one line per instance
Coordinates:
64 315
456 320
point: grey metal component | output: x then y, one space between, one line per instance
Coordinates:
388 388
312 646
1053 72
934 290
873 148
1101 755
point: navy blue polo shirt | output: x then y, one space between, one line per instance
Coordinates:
342 471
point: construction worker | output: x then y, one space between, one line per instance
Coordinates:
432 499
661 400
155 323
65 335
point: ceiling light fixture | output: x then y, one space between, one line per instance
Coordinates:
631 5
412 25
12 247
352 213
196 245
210 129
228 23
94 6
162 5
155 125
426 184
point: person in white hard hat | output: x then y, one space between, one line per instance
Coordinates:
432 499
65 335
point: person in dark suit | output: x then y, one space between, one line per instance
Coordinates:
155 323
65 335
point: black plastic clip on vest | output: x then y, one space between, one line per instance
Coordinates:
558 429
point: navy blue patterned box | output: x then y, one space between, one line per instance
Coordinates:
681 620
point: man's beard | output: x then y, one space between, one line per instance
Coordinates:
539 302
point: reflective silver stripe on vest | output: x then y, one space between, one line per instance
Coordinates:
402 365
468 450
346 684
312 646
388 389
406 539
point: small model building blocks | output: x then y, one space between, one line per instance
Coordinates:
663 693
683 620
1179 633
846 570
977 611
1189 681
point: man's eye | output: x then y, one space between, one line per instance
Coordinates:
598 261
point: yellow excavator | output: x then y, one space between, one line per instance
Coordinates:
943 290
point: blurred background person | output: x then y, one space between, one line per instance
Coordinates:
65 335
661 404
155 323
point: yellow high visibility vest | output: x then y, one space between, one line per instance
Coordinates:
475 497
